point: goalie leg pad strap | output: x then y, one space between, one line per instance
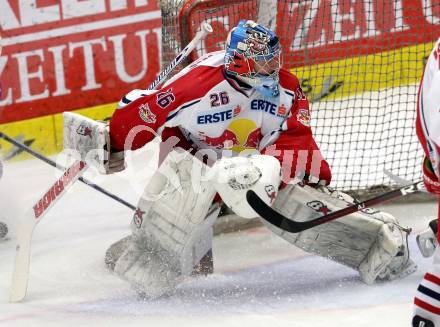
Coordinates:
368 241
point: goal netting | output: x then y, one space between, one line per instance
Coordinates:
359 61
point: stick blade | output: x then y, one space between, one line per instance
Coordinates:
263 210
20 275
275 218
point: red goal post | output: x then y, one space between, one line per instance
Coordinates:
359 61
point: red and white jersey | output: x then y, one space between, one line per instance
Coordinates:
426 302
212 111
428 109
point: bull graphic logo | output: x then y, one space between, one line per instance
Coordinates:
239 135
84 130
226 140
238 64
318 206
138 217
271 193
146 114
253 139
303 117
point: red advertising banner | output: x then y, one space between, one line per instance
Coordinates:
71 54
345 28
313 32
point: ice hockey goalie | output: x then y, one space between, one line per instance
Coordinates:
230 103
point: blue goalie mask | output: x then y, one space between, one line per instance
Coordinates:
253 55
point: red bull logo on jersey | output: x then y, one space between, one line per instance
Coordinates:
146 114
226 140
253 139
217 117
303 117
241 134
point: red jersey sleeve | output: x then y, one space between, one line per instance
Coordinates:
137 123
295 147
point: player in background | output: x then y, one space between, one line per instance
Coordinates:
427 299
237 101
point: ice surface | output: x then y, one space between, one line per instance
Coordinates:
260 280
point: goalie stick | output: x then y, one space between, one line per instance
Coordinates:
433 224
33 215
54 164
399 180
28 223
291 226
205 29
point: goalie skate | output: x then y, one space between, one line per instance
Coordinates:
113 253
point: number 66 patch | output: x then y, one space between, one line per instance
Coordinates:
164 99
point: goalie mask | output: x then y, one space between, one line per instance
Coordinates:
253 55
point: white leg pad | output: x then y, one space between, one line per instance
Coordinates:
172 229
370 241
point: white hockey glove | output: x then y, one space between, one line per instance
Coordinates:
235 176
96 151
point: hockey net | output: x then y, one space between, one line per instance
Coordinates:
359 61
